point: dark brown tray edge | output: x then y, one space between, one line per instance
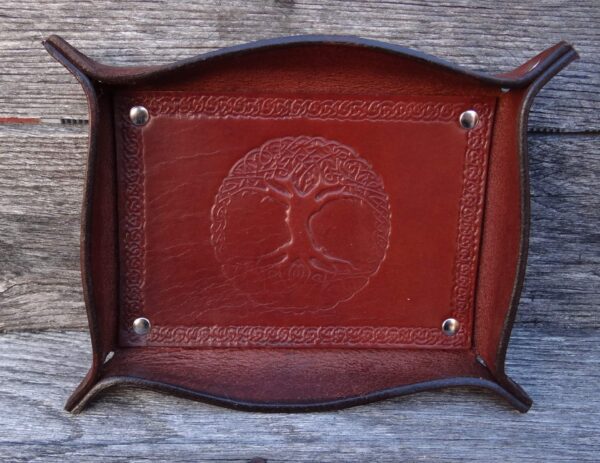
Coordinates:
551 70
505 392
92 376
519 77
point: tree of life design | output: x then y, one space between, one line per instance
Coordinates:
301 223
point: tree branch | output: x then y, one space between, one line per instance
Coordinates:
269 191
283 190
336 192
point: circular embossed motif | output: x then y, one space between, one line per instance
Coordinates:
301 223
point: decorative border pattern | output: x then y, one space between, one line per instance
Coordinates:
299 336
243 107
470 217
132 219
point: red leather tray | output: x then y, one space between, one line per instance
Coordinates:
304 223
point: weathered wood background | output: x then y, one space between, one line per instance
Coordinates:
44 347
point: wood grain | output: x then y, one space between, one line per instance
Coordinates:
40 195
555 349
559 368
41 187
487 36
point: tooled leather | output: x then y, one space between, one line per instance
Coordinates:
303 66
243 106
132 221
227 106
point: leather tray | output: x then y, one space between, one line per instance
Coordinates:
304 223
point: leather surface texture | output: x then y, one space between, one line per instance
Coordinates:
298 217
294 221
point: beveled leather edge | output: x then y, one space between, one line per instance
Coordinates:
91 378
553 67
554 64
298 407
102 333
519 77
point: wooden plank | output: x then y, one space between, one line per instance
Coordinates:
493 37
555 350
559 368
41 183
562 284
41 178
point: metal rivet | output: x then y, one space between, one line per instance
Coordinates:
450 326
139 115
469 119
141 326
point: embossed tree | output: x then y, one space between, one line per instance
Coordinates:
325 234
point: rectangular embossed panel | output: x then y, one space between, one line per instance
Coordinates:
300 221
